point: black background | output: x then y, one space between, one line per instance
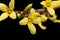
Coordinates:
11 28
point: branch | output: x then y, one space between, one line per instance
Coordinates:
26 13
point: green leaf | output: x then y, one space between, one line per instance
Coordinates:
28 7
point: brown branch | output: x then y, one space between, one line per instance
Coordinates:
41 11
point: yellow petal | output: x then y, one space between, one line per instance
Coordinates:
32 28
37 14
51 11
24 21
48 1
13 15
57 21
43 18
3 16
3 7
11 4
43 3
41 26
36 21
32 11
55 4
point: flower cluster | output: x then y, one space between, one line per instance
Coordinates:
30 15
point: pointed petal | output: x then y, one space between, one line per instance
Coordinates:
51 11
38 20
32 28
48 1
37 14
13 15
43 3
3 16
41 26
57 21
32 11
11 4
55 4
3 7
24 21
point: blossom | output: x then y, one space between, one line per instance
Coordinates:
29 21
39 21
51 5
33 18
7 11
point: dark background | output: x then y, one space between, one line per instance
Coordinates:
11 28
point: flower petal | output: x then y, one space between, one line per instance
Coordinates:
57 21
51 11
32 28
55 4
43 3
13 15
3 16
36 21
3 7
37 14
24 21
32 11
41 26
48 1
11 4
43 18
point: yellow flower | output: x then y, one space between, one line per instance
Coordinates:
39 21
33 18
50 5
29 21
37 18
8 11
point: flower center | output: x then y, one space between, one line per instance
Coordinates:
9 12
30 20
48 4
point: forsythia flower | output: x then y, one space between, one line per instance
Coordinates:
50 5
39 21
34 17
29 21
8 11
